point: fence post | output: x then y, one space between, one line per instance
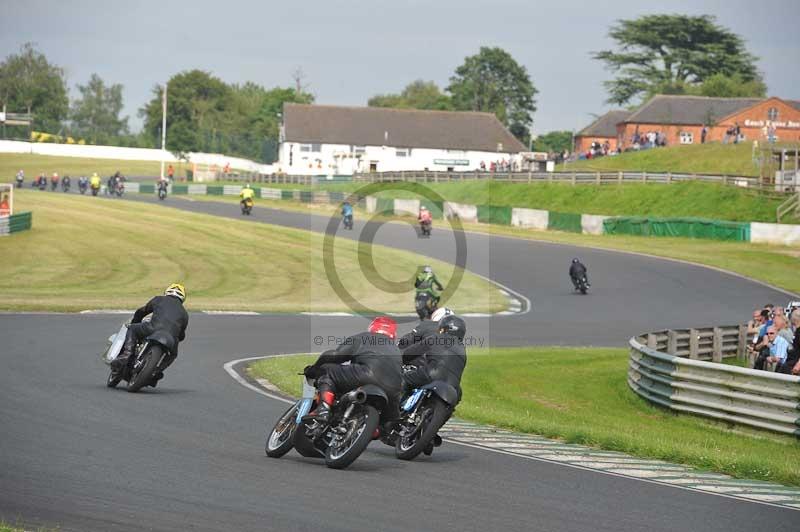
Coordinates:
669 177
716 353
672 342
597 178
652 342
741 350
619 177
644 177
529 176
694 343
573 178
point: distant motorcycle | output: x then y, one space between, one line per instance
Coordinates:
95 190
354 418
425 228
151 357
119 189
83 184
348 221
424 305
42 183
66 183
582 284
247 206
162 190
20 181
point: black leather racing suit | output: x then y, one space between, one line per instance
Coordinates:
374 359
168 317
423 329
445 358
576 271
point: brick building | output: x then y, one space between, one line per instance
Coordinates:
681 119
602 130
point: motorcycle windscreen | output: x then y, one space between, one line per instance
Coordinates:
115 345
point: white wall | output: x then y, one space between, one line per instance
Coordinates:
129 154
467 213
338 159
592 224
782 234
530 218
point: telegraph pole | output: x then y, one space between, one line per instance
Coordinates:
163 128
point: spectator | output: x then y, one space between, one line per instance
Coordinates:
776 351
781 325
793 360
737 131
483 166
5 209
170 173
703 134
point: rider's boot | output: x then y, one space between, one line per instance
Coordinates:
323 411
119 363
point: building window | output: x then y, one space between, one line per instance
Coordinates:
359 150
687 137
311 147
403 152
772 113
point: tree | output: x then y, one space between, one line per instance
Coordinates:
418 94
666 52
96 114
492 81
30 83
554 141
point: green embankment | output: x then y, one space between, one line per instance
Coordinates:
89 253
712 158
33 165
580 395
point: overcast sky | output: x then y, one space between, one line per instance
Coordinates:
351 50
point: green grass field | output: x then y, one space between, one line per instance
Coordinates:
33 165
712 158
580 395
89 253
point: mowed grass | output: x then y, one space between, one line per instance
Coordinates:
90 253
580 395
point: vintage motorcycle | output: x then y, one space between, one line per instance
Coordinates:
150 358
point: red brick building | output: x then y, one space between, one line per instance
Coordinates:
602 130
681 119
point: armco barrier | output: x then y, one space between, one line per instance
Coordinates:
230 190
15 223
270 193
406 207
529 218
197 189
466 213
759 399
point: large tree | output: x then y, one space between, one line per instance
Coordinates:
554 141
492 81
664 52
95 114
418 94
30 83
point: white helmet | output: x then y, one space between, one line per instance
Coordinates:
440 313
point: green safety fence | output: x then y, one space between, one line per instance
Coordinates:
564 221
493 214
147 189
215 190
20 222
678 227
436 207
306 196
287 194
335 197
384 206
180 189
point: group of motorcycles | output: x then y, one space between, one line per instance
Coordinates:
40 182
354 418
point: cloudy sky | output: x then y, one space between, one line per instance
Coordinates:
351 50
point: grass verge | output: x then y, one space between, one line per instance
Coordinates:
774 265
580 395
33 165
88 253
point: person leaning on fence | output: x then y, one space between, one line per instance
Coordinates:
5 209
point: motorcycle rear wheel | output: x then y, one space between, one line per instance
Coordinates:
281 439
146 373
435 415
355 440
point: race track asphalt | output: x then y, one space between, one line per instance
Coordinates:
188 455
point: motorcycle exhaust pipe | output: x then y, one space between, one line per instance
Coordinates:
356 396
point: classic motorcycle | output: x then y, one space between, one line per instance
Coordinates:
83 184
95 190
424 304
247 206
162 190
151 358
353 420
348 221
425 228
422 414
66 183
582 285
119 189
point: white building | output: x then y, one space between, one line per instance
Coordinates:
333 140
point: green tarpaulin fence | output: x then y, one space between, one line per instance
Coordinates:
287 194
335 197
679 227
20 222
492 214
564 221
215 190
306 196
147 189
180 189
385 206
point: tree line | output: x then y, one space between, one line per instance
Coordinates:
654 54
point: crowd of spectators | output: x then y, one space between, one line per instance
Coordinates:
775 338
503 165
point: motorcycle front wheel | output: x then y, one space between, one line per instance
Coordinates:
351 437
113 379
433 413
281 439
